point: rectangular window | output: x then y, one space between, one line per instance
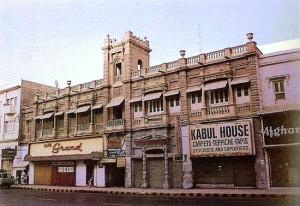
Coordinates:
9 127
217 96
239 91
177 101
279 89
222 96
171 102
150 106
135 108
246 91
212 101
226 96
155 106
193 99
141 106
199 97
27 126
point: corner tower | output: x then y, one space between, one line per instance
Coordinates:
122 58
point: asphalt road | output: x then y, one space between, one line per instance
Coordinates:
12 197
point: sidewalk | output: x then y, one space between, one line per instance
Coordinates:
272 192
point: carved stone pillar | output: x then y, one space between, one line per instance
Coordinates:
166 184
145 183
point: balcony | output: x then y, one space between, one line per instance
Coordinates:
222 111
117 124
9 109
157 119
195 115
48 134
83 129
118 78
243 109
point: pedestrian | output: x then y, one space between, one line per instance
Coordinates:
23 177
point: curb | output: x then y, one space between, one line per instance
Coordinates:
164 193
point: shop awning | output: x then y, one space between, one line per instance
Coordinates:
152 96
240 81
38 117
71 111
215 85
115 102
97 106
58 113
193 89
48 115
58 157
83 109
135 99
171 93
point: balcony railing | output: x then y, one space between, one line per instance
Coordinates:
83 127
117 124
243 109
136 73
118 78
238 50
9 109
172 65
218 110
47 132
215 55
154 69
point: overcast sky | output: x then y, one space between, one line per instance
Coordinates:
48 40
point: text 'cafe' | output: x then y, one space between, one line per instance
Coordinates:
66 162
223 154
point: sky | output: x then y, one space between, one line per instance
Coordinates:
48 40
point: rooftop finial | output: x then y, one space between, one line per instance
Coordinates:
69 83
182 53
107 35
250 36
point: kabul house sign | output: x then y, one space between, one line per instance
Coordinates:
224 139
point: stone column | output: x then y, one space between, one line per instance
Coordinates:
166 184
187 174
145 183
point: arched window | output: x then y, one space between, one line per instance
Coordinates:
139 65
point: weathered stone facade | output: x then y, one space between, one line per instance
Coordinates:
137 106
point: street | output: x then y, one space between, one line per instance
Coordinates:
12 197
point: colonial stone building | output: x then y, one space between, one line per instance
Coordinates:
13 98
193 122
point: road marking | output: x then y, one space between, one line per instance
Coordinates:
115 204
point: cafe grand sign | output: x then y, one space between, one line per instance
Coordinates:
69 147
223 139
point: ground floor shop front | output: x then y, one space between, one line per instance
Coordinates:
284 166
66 162
66 173
224 172
281 131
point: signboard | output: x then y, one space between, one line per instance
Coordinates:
282 128
222 139
97 155
65 169
108 160
67 147
121 162
8 154
116 153
114 144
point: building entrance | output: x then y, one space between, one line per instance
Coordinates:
114 176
